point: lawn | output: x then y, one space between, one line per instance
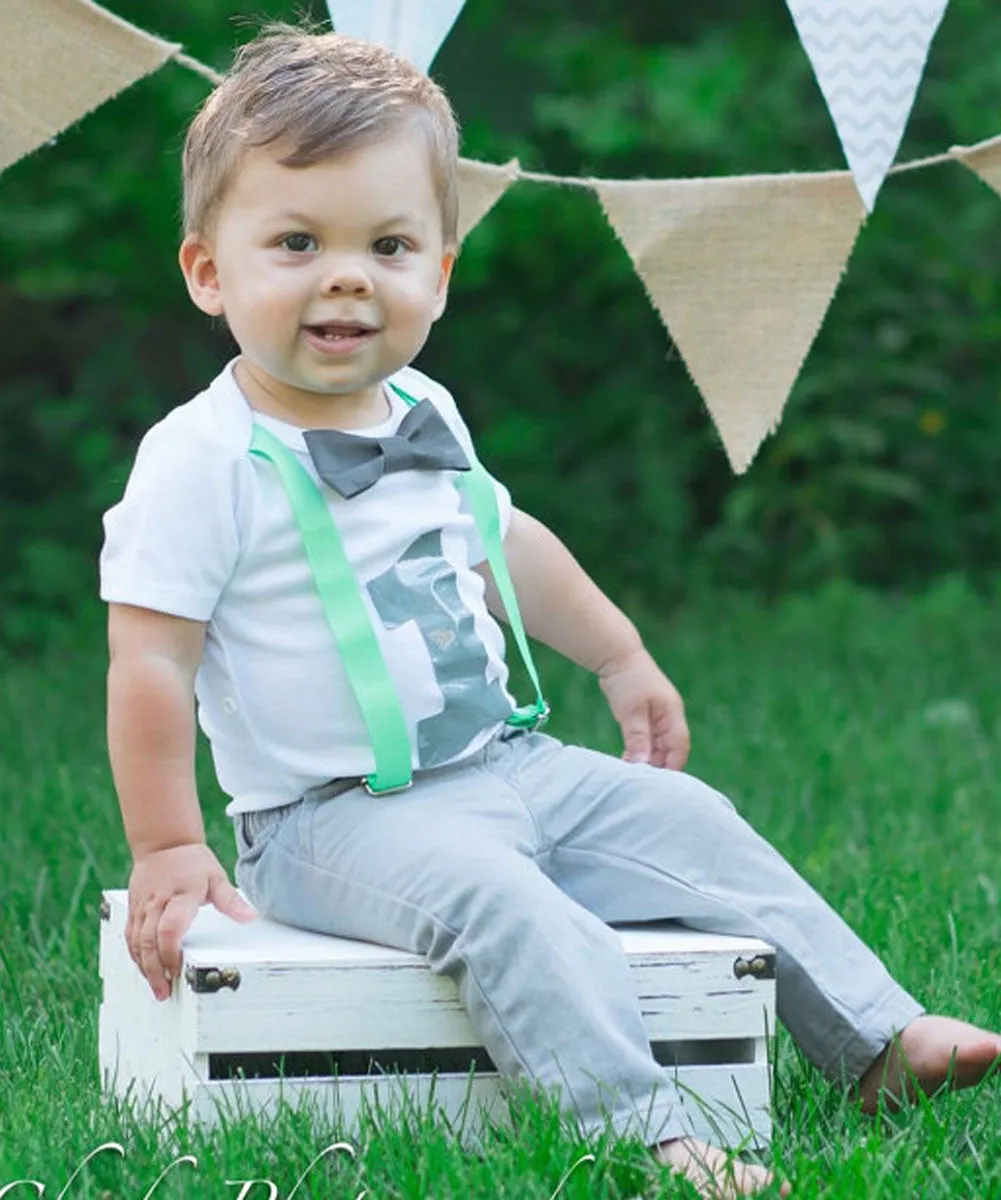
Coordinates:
860 733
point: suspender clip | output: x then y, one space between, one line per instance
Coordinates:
530 716
389 791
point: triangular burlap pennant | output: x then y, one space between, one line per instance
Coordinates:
868 56
742 271
481 185
984 159
58 60
414 29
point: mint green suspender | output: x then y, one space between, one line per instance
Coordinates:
348 617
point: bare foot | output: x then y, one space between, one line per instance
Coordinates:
714 1173
931 1052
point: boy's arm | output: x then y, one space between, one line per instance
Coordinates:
563 607
151 743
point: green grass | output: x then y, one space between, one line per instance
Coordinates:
860 734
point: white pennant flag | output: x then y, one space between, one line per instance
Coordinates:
742 271
481 185
58 60
414 29
868 56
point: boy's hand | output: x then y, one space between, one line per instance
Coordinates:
166 889
649 711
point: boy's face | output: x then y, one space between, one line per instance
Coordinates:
329 276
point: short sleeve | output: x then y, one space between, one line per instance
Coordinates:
172 542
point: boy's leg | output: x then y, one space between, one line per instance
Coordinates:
448 870
632 843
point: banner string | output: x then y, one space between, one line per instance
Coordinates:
916 164
749 236
193 64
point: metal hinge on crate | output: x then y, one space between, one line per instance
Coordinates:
211 979
761 966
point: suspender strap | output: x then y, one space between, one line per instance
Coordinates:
348 617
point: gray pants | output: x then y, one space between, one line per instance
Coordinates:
503 871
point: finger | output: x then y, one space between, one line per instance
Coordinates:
674 744
229 901
672 741
131 938
635 728
175 920
133 927
149 952
676 754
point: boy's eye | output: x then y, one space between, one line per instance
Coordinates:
389 247
298 243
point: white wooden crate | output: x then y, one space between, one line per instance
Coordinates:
264 1012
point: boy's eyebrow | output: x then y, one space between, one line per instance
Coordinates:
403 218
298 218
294 217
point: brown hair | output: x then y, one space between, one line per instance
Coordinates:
323 94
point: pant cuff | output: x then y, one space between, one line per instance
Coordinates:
888 1017
661 1120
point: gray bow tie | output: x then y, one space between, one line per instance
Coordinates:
350 462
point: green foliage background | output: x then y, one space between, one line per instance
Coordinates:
884 470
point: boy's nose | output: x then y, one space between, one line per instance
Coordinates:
347 275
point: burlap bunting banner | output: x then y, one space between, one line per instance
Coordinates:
481 185
868 56
58 60
984 160
742 271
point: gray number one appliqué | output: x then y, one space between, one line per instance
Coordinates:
422 587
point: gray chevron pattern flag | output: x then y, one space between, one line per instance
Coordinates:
868 56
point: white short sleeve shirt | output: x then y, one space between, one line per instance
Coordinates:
205 531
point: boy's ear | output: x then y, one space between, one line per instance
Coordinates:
200 274
447 263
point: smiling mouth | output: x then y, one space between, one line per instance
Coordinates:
335 331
